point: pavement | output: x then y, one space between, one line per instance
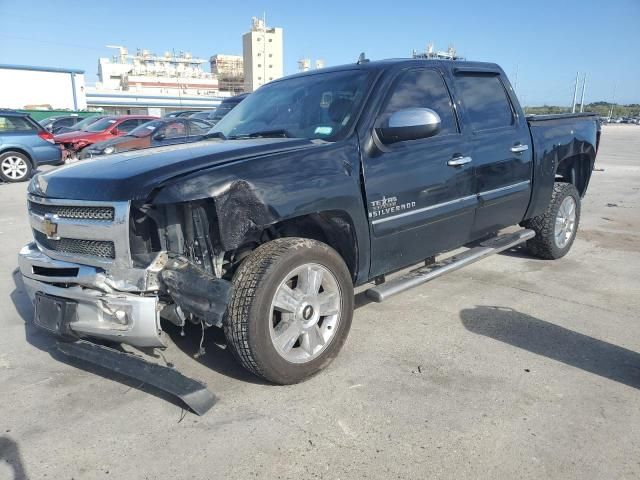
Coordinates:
511 368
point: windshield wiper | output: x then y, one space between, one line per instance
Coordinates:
276 133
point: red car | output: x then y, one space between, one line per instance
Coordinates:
103 129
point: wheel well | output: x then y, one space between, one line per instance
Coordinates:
331 227
575 170
18 150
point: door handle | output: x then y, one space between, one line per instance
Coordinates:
457 161
519 148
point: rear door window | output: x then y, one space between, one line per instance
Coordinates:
15 124
485 101
422 88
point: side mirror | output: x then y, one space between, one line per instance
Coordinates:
409 124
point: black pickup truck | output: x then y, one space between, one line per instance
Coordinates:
314 184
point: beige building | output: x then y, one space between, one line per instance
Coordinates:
263 55
230 72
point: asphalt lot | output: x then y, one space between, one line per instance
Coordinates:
511 368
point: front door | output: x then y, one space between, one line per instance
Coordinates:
420 193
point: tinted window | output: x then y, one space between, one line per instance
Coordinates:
146 129
197 127
15 124
65 122
128 125
485 101
422 89
100 125
174 129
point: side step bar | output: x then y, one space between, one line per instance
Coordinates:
424 274
192 392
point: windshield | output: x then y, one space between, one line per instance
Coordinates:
100 125
323 105
146 129
85 122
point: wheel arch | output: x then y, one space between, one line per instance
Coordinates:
576 169
8 149
332 227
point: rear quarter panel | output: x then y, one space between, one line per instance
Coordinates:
556 138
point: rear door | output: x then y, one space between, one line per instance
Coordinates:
502 154
419 204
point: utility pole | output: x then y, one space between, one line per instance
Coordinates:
575 94
584 85
613 100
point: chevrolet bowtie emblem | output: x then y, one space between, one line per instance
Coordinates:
49 227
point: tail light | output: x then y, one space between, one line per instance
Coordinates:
48 136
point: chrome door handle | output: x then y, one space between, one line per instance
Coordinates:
519 148
457 161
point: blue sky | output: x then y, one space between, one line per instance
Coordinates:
547 42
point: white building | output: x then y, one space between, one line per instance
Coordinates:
45 88
262 50
145 72
229 70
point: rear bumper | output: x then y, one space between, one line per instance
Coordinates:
101 312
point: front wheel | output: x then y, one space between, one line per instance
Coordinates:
556 228
291 309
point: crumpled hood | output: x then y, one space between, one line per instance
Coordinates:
133 175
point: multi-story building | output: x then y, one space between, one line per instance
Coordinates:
229 70
263 54
145 72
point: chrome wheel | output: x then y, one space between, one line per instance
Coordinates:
305 313
14 167
565 222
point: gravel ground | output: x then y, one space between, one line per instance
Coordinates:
511 368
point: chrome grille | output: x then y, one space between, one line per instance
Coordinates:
78 212
93 248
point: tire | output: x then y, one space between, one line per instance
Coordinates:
550 242
288 345
15 167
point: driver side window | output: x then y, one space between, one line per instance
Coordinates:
422 88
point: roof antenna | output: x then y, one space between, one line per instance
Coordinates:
362 59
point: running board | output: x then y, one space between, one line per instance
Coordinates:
192 392
450 264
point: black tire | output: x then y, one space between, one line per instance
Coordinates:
249 315
22 159
544 244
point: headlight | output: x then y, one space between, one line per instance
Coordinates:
109 150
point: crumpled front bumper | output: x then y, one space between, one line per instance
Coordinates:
101 312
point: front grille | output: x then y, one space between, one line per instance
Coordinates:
94 248
82 213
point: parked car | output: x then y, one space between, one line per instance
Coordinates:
156 133
180 113
314 184
56 123
103 129
80 125
24 145
225 107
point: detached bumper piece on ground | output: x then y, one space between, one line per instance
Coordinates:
192 392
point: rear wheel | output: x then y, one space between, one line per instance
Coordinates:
556 228
290 310
15 167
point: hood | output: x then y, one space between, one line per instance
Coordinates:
133 175
75 135
122 143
